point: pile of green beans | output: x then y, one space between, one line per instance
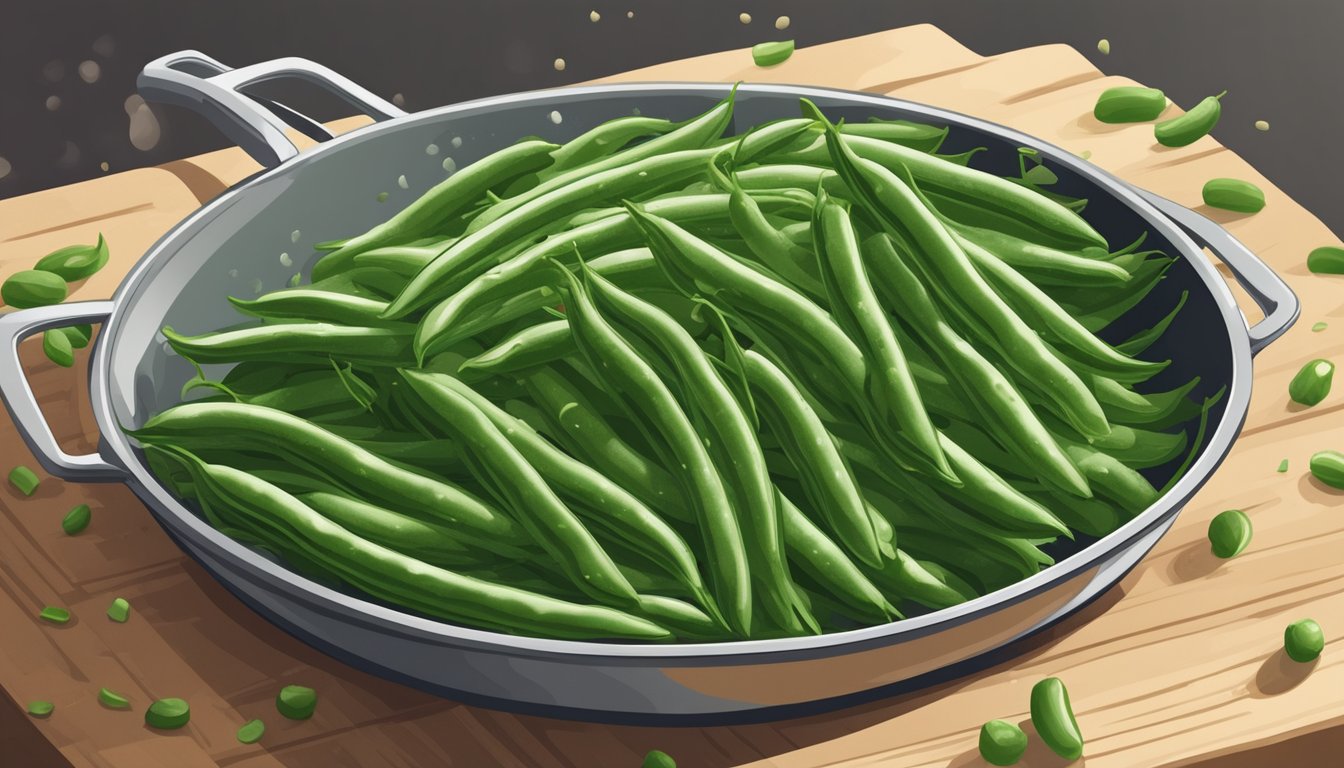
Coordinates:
659 384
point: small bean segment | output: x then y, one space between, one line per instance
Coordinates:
1002 743
1326 260
1311 385
1129 104
1303 641
1193 125
1233 195
1229 533
1328 467
1052 714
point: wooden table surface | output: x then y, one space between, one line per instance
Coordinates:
1180 664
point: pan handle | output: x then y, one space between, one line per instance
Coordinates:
1267 289
193 80
22 403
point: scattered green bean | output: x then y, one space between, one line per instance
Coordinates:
1191 126
658 759
54 614
24 479
1052 715
76 520
770 54
41 708
119 610
168 714
56 345
1312 383
296 702
1283 466
1318 327
251 732
1129 104
1233 195
1002 743
33 288
1230 533
113 700
75 262
1303 640
1328 467
1326 260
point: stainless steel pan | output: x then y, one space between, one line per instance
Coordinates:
233 245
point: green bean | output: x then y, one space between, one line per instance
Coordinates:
314 305
386 574
1233 195
1312 383
604 503
1095 315
32 288
981 191
777 177
54 614
1043 264
1326 260
771 53
725 427
56 346
39 708
925 138
1001 742
634 381
1129 104
527 494
24 480
377 346
694 134
1084 349
414 536
1191 126
690 260
119 610
1110 478
112 700
402 260
1328 467
855 305
168 714
446 199
795 264
79 335
604 140
816 555
1052 715
656 758
1155 410
1141 448
196 426
76 520
463 260
251 732
1303 641
896 202
530 347
1229 533
75 262
827 479
531 269
995 399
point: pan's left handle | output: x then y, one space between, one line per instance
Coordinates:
193 80
22 403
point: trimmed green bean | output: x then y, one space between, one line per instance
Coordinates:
1191 126
32 288
1129 104
1311 385
75 262
1052 715
1233 195
772 53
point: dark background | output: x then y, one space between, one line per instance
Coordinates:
1277 59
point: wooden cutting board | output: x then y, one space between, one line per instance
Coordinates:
1181 663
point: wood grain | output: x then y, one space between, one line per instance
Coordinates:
1178 664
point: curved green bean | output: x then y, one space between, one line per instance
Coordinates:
290 341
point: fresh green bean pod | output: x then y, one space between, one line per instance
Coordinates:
1005 411
632 379
827 479
815 554
530 347
1141 341
402 260
421 539
1328 467
795 264
196 426
607 139
1052 716
446 199
285 342
855 305
945 265
317 306
260 507
925 138
694 134
1042 263
1191 126
1326 260
1233 195
534 504
465 258
1129 104
603 503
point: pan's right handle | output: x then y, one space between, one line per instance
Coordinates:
1280 305
22 403
193 80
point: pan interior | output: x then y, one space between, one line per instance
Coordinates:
256 237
